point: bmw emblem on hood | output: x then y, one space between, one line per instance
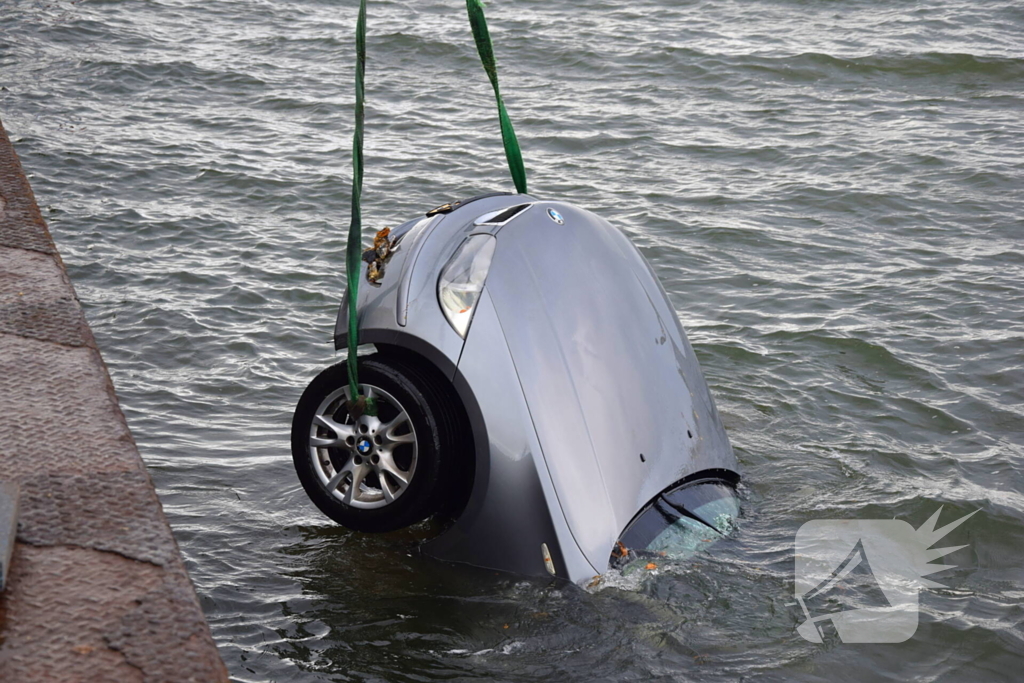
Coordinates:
556 217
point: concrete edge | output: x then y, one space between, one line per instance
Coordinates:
97 585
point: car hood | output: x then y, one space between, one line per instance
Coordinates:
615 393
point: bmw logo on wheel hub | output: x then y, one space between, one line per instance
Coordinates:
364 446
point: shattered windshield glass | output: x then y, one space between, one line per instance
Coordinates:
679 523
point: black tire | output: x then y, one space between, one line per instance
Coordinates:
439 430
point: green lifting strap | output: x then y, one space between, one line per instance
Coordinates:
353 253
482 36
353 262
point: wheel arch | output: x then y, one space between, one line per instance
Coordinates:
411 350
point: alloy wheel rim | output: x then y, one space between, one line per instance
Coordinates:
367 462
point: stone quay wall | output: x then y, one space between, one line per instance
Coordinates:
97 589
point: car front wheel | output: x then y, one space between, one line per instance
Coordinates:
380 472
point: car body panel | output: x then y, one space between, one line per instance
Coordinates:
408 290
574 365
605 368
513 509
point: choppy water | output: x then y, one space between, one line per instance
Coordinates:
832 193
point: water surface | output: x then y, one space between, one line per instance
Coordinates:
832 194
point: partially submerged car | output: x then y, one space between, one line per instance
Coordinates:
535 392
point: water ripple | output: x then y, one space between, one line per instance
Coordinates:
831 198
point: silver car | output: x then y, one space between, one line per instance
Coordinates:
537 397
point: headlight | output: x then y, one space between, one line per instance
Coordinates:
462 280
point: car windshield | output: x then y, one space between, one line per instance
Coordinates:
680 522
